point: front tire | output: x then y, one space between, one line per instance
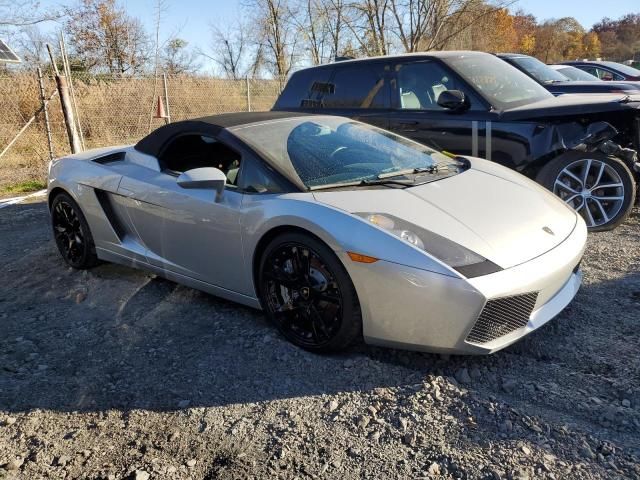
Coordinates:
71 233
599 187
307 293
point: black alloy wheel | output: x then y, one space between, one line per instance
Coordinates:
308 294
71 233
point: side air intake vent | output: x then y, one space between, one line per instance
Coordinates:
111 158
107 207
501 316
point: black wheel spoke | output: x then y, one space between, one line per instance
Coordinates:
302 294
319 321
68 233
280 279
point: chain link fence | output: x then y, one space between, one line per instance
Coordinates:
112 110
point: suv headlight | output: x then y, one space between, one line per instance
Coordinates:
461 259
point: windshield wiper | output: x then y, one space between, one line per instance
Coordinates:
362 183
384 181
399 173
387 178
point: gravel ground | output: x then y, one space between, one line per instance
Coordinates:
114 373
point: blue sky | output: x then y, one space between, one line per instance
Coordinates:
193 17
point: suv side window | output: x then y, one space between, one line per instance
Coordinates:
304 88
419 84
358 85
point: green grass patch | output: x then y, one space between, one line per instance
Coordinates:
25 187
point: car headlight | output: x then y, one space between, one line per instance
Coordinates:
461 259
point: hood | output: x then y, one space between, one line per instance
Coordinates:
593 87
501 219
574 105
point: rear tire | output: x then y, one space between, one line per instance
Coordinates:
71 233
307 293
599 187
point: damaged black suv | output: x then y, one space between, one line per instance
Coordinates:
582 147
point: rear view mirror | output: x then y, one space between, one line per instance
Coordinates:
453 100
208 177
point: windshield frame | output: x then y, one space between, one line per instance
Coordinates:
277 154
525 62
492 102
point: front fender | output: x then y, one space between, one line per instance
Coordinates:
340 230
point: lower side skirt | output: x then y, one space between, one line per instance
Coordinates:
110 256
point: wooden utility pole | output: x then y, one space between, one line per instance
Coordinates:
65 102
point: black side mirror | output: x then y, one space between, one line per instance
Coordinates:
453 100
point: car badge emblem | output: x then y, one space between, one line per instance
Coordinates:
548 230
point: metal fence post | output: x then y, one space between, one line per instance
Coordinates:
166 97
246 79
45 108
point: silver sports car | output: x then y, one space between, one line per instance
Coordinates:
336 229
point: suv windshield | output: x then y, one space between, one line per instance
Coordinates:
324 151
501 84
540 71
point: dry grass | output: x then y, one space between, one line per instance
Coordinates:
112 111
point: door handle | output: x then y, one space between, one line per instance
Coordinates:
408 124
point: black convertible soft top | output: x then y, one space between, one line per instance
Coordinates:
153 143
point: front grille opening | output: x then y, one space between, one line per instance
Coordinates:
502 316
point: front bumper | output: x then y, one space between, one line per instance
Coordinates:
413 309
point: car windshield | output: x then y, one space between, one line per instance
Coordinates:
326 151
540 71
624 69
579 75
501 84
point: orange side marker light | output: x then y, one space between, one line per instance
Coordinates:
360 258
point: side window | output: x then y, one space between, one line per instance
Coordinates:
304 89
419 84
608 75
187 152
357 86
257 177
591 70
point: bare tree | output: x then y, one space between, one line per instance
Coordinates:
313 25
22 13
277 35
230 50
334 12
104 37
177 58
413 19
368 24
31 43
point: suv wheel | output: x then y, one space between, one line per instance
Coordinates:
601 188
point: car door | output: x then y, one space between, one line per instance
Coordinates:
190 232
416 114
